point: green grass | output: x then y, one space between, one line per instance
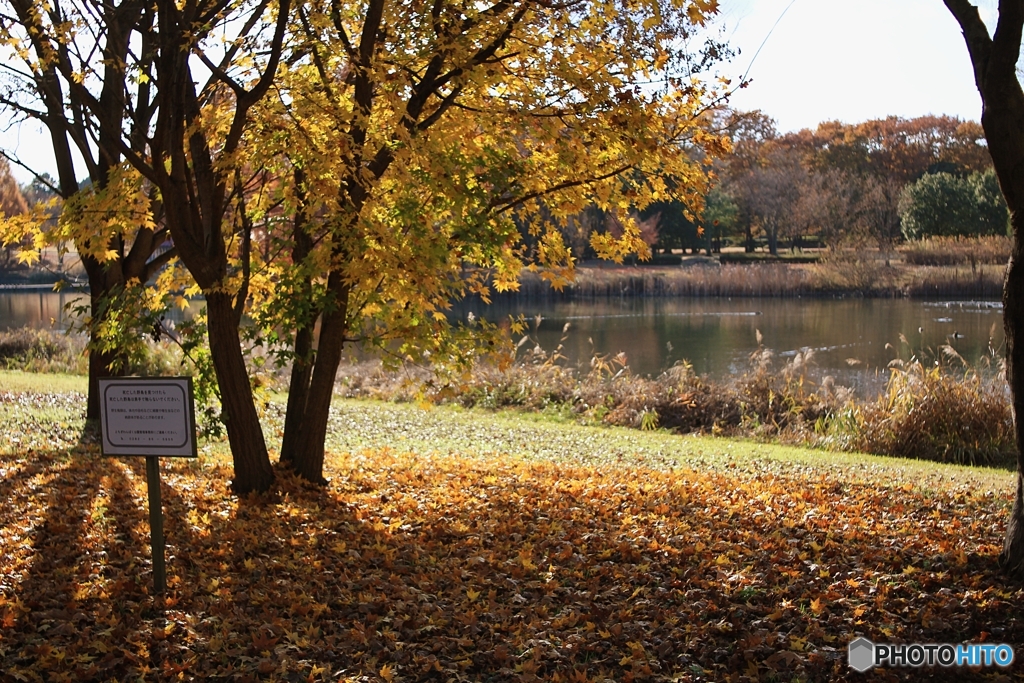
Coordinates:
358 425
17 380
55 420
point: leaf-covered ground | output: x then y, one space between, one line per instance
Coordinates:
496 549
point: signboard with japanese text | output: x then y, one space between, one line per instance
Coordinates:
148 416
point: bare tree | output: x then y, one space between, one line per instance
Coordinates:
772 192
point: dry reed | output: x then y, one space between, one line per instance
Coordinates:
952 251
842 274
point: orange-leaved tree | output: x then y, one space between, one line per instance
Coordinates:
413 138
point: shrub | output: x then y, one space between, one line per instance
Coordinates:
936 413
42 350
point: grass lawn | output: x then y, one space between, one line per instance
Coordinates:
466 545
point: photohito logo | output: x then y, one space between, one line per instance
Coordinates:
864 654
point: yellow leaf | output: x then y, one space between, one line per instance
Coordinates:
387 673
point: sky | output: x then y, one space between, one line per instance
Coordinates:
850 60
816 60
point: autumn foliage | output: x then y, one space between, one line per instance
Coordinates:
467 566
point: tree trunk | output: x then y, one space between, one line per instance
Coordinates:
1012 557
298 393
302 362
248 447
101 289
308 460
994 58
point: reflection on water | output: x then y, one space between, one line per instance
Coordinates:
43 307
38 308
853 340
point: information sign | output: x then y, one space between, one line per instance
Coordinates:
148 416
154 417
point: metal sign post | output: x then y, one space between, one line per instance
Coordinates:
151 417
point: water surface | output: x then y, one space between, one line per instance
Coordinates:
852 339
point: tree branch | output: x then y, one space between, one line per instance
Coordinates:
979 43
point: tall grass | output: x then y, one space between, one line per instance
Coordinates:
43 350
49 351
945 410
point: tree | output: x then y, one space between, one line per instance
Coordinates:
903 149
78 85
195 161
994 57
417 137
993 214
131 97
750 133
720 217
773 191
12 201
676 228
942 204
879 209
827 205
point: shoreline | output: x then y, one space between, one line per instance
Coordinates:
701 277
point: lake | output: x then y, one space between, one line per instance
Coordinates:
849 336
853 339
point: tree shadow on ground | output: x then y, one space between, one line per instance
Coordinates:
436 568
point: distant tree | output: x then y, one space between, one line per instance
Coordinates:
827 205
903 149
12 203
942 204
12 200
40 189
878 208
994 57
676 227
772 195
721 218
993 214
751 134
